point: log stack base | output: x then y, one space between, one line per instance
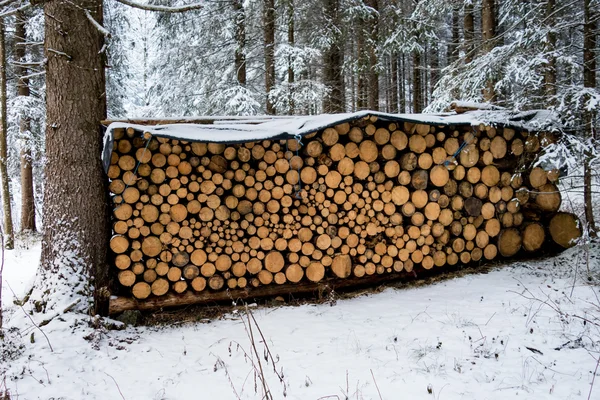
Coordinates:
362 199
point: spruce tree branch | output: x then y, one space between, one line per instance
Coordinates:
15 10
6 2
150 7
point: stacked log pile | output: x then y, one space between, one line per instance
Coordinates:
361 198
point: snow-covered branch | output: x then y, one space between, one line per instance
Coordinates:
150 7
15 10
97 25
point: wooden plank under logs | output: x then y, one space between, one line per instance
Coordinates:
119 304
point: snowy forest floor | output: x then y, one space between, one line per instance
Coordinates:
525 329
519 330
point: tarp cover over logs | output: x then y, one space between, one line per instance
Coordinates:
244 205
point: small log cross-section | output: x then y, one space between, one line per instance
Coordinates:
361 200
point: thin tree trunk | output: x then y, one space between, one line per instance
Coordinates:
269 49
372 27
76 213
403 85
27 199
6 209
469 33
361 103
291 42
589 81
452 51
488 31
333 61
394 88
240 39
435 70
417 89
550 69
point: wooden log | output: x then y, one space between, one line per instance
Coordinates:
141 290
420 179
342 266
533 236
473 206
509 242
439 175
469 156
216 282
565 229
151 246
119 244
548 198
368 151
160 287
538 177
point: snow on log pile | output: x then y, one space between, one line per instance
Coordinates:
371 195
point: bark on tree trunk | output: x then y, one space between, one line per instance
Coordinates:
291 41
468 33
6 209
333 61
452 54
417 89
488 31
402 85
394 82
550 70
240 38
373 28
589 81
435 70
76 215
27 199
269 48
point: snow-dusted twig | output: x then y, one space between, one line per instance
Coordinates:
97 25
34 75
150 7
594 378
60 53
31 319
117 385
65 310
377 386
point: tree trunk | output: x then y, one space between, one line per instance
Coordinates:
589 81
488 32
452 54
372 27
550 70
27 199
6 209
269 48
417 89
361 102
291 42
403 85
469 33
76 216
240 38
394 84
333 62
435 70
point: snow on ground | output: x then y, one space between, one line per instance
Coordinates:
20 267
465 338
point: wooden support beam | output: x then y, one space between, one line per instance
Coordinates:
119 304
